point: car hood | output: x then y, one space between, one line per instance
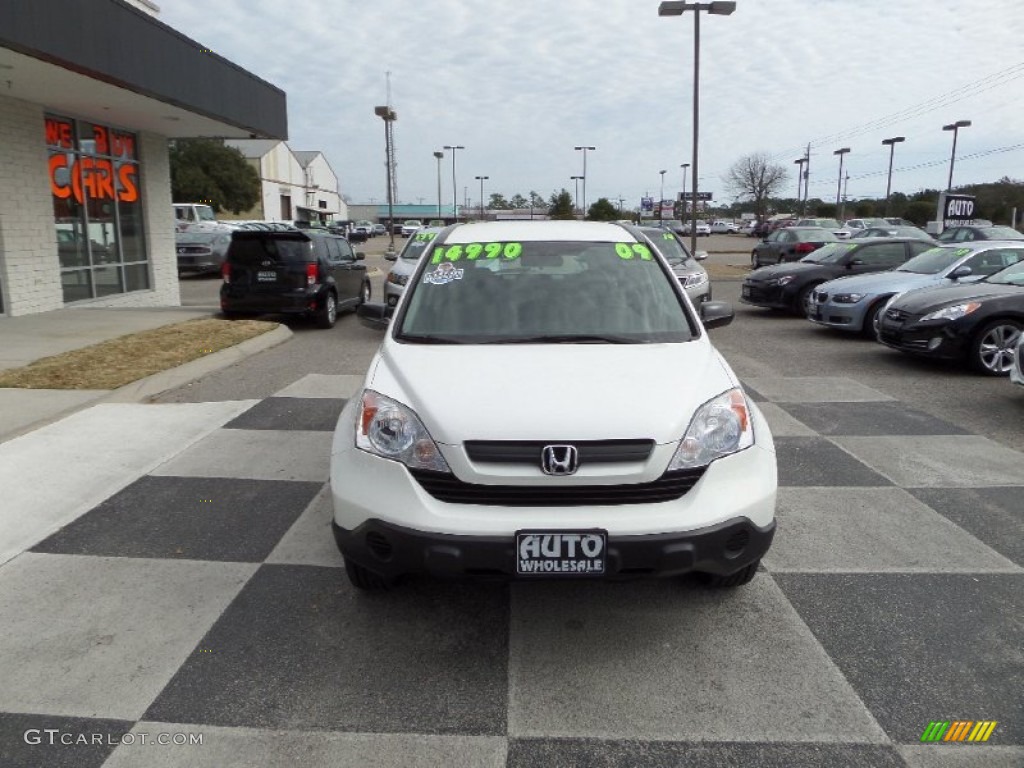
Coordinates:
552 391
687 267
882 282
797 268
924 301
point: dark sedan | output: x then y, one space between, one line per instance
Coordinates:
789 244
892 230
979 324
968 233
788 286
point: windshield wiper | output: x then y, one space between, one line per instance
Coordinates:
425 338
575 338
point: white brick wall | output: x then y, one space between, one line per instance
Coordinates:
29 267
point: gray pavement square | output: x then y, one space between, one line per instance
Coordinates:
815 461
782 424
255 454
813 389
343 386
869 530
961 756
54 741
754 395
993 515
663 660
188 518
601 753
100 637
880 418
300 649
310 541
922 647
293 413
949 461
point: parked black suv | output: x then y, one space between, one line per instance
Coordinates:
298 272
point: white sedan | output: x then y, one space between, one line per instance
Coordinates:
546 402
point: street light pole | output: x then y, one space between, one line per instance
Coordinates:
682 193
799 183
891 143
839 184
389 116
439 155
455 185
676 8
954 127
481 180
576 200
661 197
585 149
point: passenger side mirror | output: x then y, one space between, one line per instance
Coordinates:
700 255
854 263
962 271
716 314
375 315
360 255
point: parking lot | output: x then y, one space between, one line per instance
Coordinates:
892 596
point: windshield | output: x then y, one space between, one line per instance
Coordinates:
543 292
668 245
1003 233
934 260
205 213
1012 275
416 245
829 253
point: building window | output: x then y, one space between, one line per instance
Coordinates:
97 209
286 207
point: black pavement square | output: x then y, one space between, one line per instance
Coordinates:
922 647
754 395
598 753
187 517
315 414
807 461
993 515
300 648
880 418
55 741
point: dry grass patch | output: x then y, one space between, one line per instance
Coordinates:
112 364
726 271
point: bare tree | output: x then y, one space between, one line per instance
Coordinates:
757 178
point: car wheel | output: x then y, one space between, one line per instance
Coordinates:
869 328
992 350
754 263
738 579
365 293
802 303
327 313
364 579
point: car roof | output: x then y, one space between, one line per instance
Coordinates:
569 231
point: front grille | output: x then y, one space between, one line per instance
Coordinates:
448 488
529 451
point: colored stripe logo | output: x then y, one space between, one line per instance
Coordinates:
959 730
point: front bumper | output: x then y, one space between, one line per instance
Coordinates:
391 551
845 317
943 340
763 295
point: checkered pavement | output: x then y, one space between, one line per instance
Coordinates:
207 597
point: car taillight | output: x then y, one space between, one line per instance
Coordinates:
225 272
312 274
805 247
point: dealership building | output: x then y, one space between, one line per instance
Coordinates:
90 93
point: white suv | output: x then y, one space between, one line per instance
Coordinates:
546 403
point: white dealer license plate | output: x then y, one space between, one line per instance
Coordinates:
266 277
561 553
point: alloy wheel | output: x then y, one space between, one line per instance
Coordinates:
997 346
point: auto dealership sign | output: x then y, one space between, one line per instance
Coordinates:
956 209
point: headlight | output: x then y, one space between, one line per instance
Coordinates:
720 427
781 280
397 279
698 278
952 313
848 298
388 429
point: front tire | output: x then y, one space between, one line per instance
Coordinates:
992 349
365 292
327 312
801 305
869 329
754 263
729 581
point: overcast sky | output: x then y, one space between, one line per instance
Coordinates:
519 83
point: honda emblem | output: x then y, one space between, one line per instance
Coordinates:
559 460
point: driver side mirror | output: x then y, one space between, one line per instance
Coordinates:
716 314
390 257
375 316
962 271
360 255
854 263
700 255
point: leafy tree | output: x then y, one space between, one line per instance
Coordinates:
206 170
536 201
864 208
757 178
499 202
603 210
920 211
562 206
826 210
518 201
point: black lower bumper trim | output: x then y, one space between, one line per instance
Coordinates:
391 551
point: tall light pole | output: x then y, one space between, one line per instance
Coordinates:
661 197
455 185
954 127
676 8
481 179
388 115
682 194
799 181
839 185
440 156
585 150
891 143
576 200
